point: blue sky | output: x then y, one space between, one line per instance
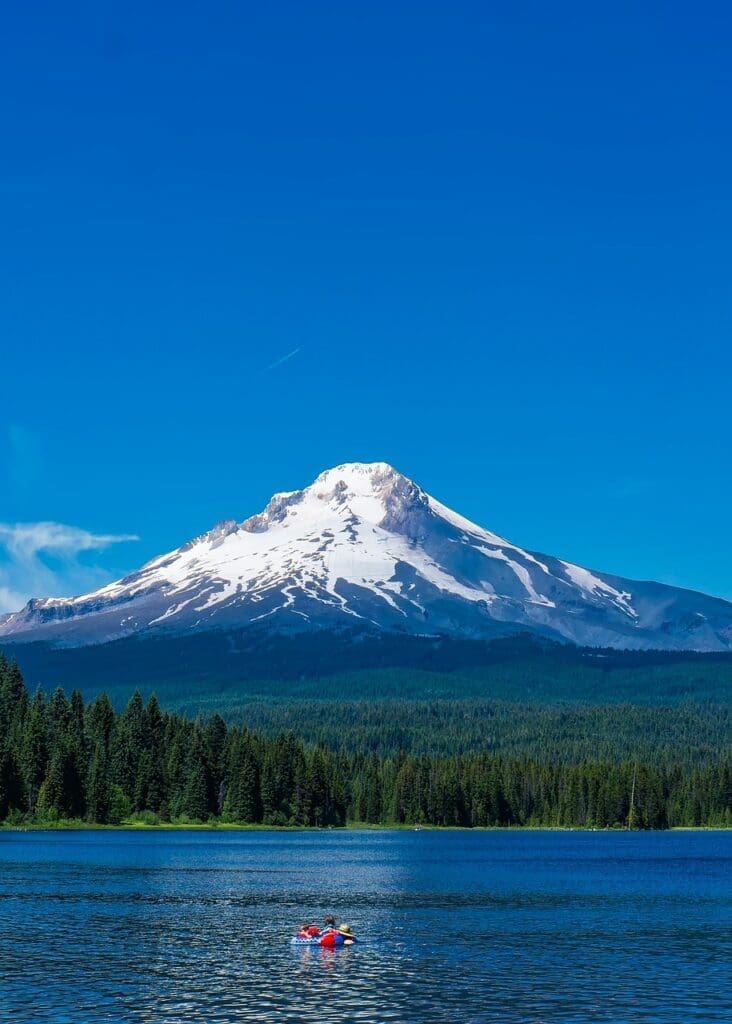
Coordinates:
243 243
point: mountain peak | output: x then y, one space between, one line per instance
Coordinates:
359 476
373 490
369 491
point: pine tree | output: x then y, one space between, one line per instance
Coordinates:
100 722
11 783
34 750
13 699
194 797
243 802
153 771
99 792
128 744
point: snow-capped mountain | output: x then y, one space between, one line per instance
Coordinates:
363 545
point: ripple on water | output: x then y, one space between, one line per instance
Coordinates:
110 929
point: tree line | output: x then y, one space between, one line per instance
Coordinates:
689 734
63 759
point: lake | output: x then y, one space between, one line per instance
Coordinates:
456 926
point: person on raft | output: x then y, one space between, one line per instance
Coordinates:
341 936
329 926
308 931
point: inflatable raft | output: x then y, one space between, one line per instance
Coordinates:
328 941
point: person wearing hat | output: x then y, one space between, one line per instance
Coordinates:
341 936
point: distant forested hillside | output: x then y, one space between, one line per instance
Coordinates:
683 734
226 667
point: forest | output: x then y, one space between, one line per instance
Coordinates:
687 734
64 759
219 668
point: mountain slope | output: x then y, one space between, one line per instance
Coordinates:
363 545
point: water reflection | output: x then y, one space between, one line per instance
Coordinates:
482 927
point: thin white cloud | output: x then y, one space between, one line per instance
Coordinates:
25 573
281 360
27 539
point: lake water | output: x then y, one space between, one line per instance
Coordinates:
460 927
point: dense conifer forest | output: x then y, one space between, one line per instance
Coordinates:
687 735
62 759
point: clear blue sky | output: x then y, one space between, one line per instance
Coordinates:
495 237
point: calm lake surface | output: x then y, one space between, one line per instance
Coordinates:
531 927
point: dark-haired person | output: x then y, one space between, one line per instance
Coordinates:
328 931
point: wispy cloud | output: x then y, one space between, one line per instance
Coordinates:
42 560
281 360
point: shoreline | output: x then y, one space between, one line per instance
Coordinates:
81 826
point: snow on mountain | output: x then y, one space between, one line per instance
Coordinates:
365 545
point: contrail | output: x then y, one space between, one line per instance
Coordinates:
283 359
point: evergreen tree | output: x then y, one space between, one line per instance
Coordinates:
34 750
99 790
100 720
242 802
11 783
194 796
